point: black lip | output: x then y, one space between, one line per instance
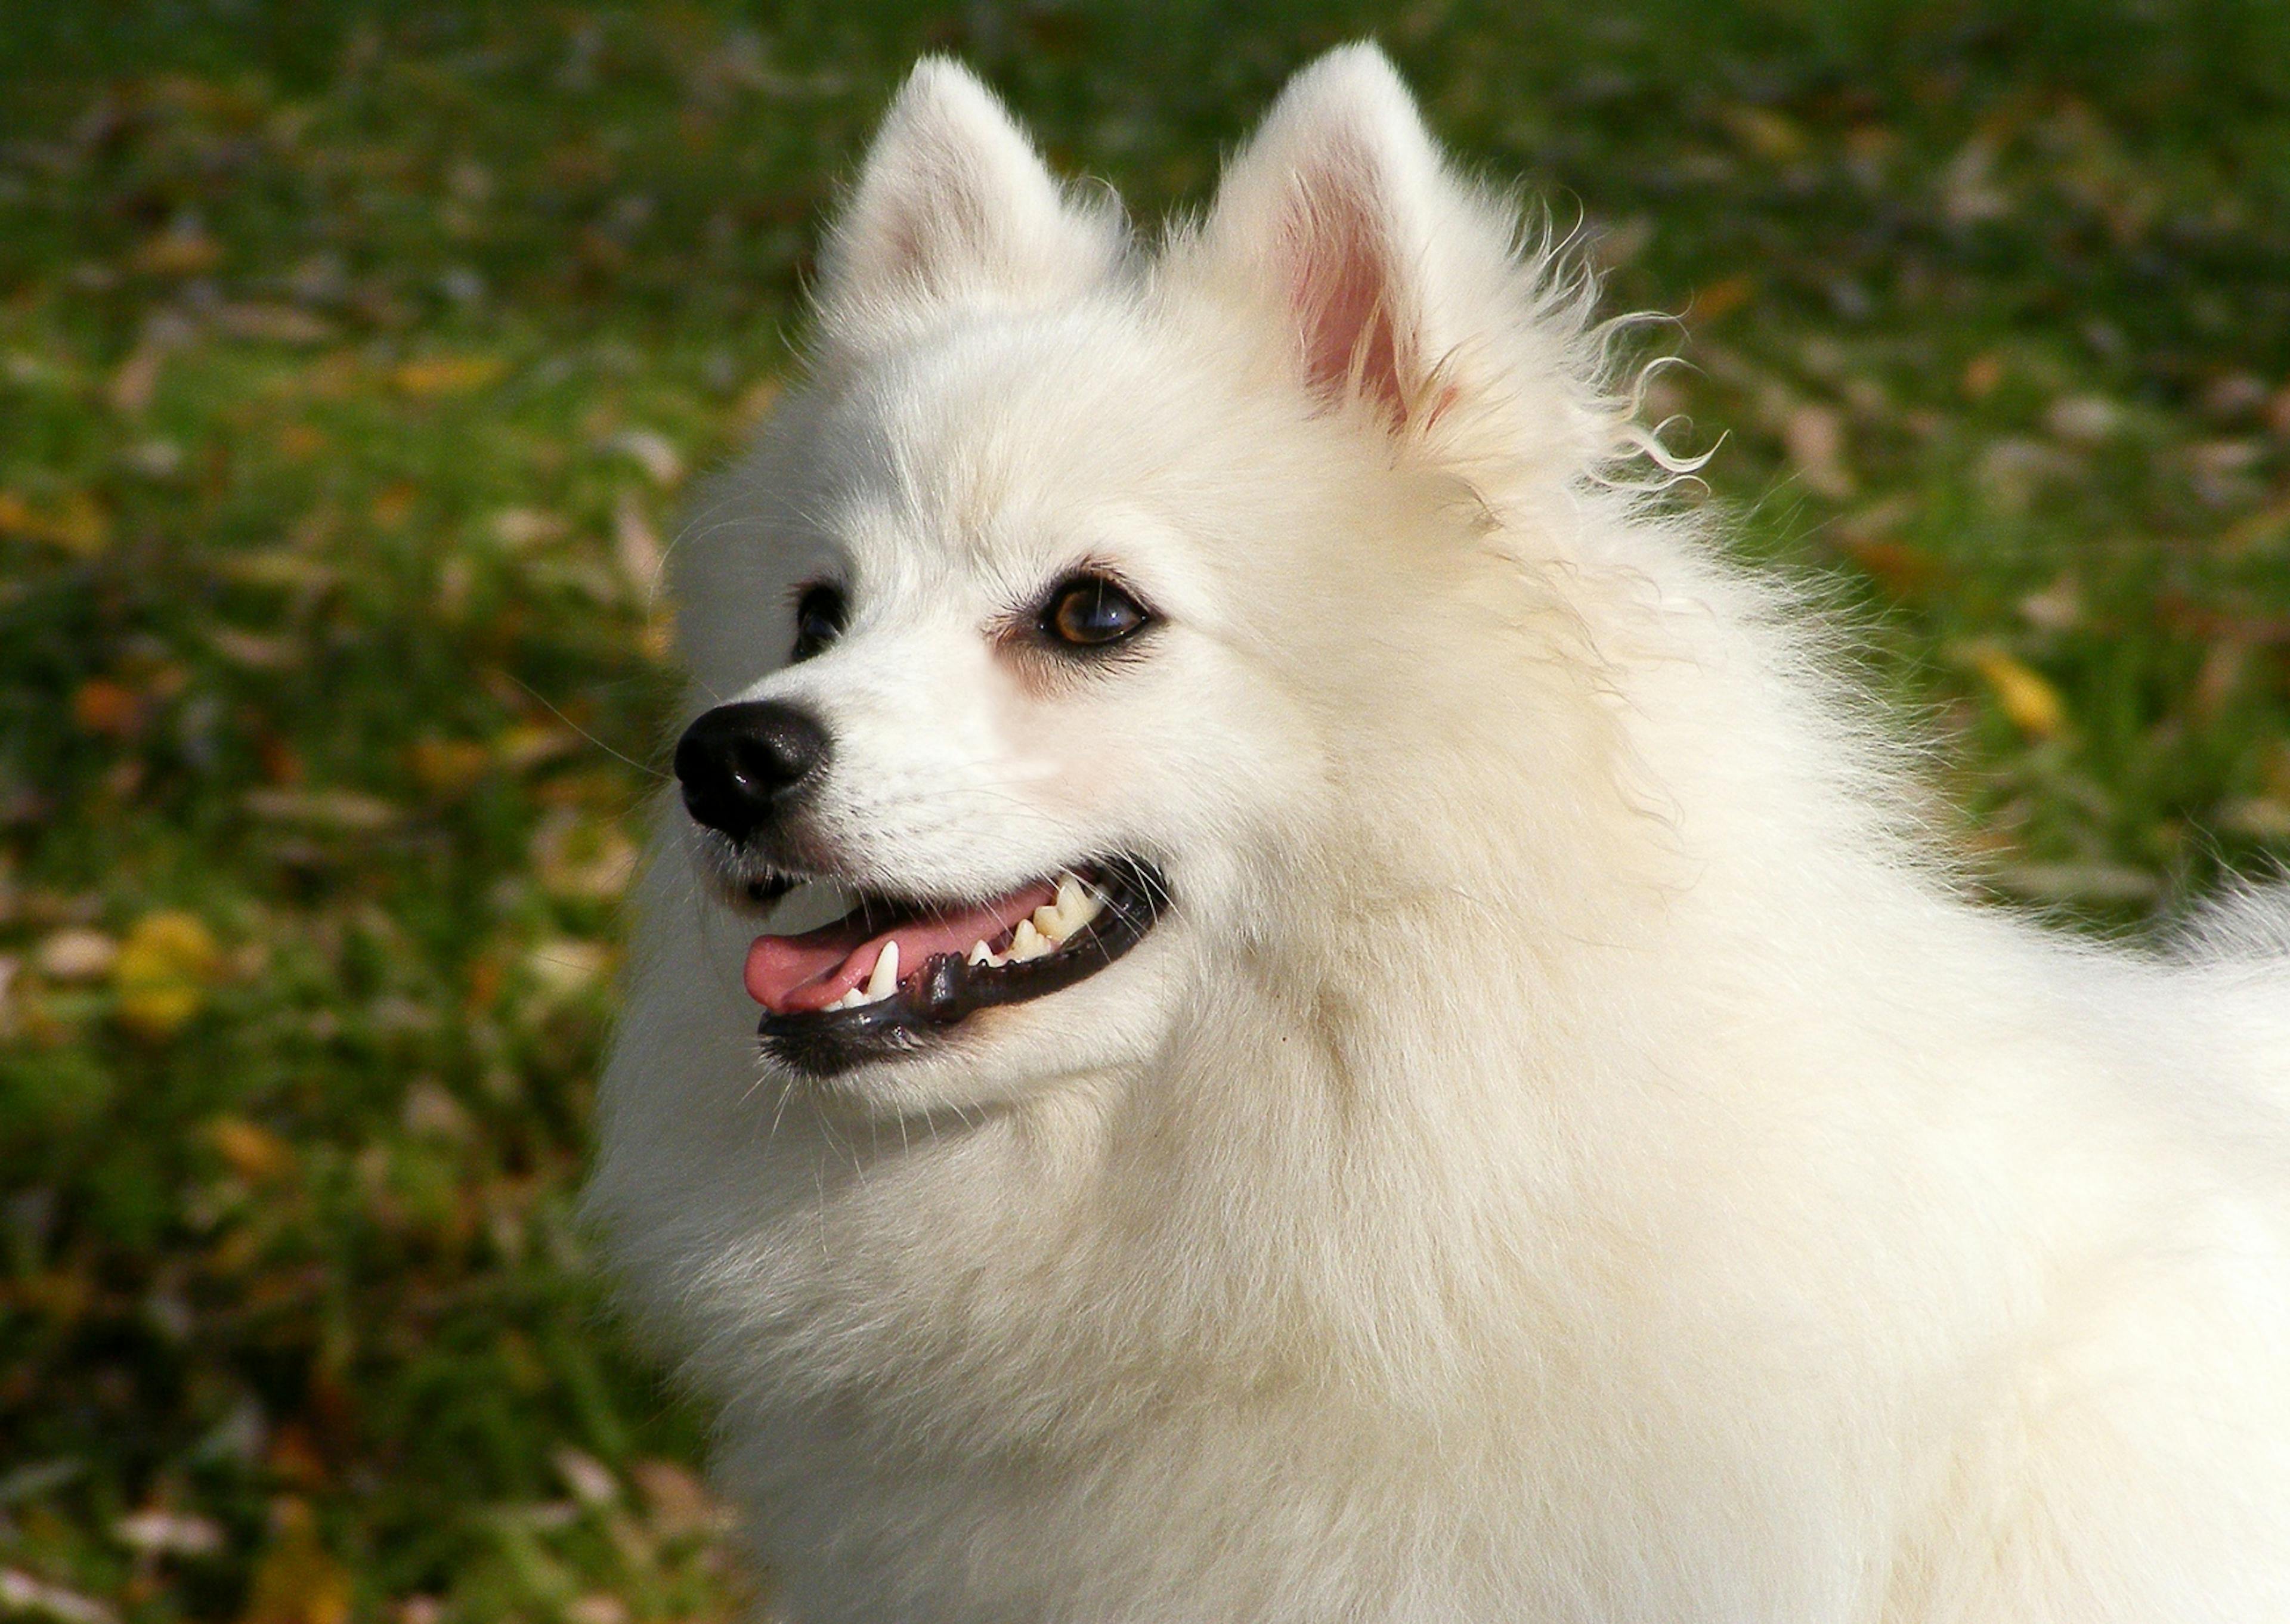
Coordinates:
926 1008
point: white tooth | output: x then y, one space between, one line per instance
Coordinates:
885 981
1050 922
980 953
1078 902
1028 943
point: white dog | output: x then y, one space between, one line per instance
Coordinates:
1396 1053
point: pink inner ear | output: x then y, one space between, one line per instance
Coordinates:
1342 291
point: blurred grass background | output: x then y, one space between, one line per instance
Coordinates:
355 364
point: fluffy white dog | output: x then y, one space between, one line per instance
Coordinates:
1384 1045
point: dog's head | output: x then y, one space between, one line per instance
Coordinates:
1095 622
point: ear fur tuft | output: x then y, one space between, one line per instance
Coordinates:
954 207
1331 209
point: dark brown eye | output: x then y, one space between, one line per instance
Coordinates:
820 614
1089 611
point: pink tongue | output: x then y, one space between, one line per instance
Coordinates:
789 974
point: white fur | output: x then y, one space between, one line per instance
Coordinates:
1570 1153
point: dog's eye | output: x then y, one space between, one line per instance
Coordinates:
1090 611
820 614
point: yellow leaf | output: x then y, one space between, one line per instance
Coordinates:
2031 701
163 971
448 374
296 1580
254 1152
526 744
79 527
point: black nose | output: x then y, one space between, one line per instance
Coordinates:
739 764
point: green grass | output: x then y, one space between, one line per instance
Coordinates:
354 367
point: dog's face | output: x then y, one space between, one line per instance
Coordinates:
1092 585
1015 672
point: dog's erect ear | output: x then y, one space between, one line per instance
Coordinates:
1340 214
953 206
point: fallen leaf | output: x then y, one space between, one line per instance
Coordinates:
565 966
297 1581
2033 705
1903 568
169 1533
447 374
78 527
298 441
1720 297
339 809
137 381
253 651
651 452
2084 419
582 858
1814 435
273 323
77 955
2268 527
2277 412
163 971
20 1593
254 1152
1771 135
391 504
178 252
591 1481
2057 608
636 545
764 394
530 744
101 706
1969 193
431 1113
448 766
680 1503
526 526
2260 817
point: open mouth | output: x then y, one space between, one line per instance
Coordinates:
893 974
